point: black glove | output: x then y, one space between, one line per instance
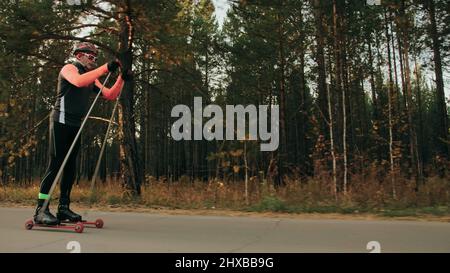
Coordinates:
127 75
113 65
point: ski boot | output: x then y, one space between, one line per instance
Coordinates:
44 217
65 214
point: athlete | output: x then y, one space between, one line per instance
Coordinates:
76 82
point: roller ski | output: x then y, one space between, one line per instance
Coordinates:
44 218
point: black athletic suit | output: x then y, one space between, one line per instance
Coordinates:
70 108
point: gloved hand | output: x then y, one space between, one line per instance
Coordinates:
113 65
127 75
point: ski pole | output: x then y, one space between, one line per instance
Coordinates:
61 169
97 166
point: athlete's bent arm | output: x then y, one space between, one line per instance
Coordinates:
113 92
70 73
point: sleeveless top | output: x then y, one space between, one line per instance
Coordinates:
72 103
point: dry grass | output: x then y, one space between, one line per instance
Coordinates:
312 196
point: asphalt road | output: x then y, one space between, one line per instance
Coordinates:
145 232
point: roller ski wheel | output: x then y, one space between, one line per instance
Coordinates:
29 224
79 228
99 223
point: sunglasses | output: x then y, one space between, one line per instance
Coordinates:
91 57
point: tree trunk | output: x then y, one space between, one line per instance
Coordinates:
443 143
376 107
397 90
282 101
400 58
320 59
419 104
129 155
415 163
333 155
390 93
339 85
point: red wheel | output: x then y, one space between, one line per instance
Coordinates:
29 224
79 228
99 223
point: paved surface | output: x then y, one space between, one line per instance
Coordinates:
144 232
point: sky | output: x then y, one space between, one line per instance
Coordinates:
222 7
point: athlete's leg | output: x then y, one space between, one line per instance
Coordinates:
68 178
57 150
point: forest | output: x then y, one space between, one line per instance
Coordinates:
362 90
